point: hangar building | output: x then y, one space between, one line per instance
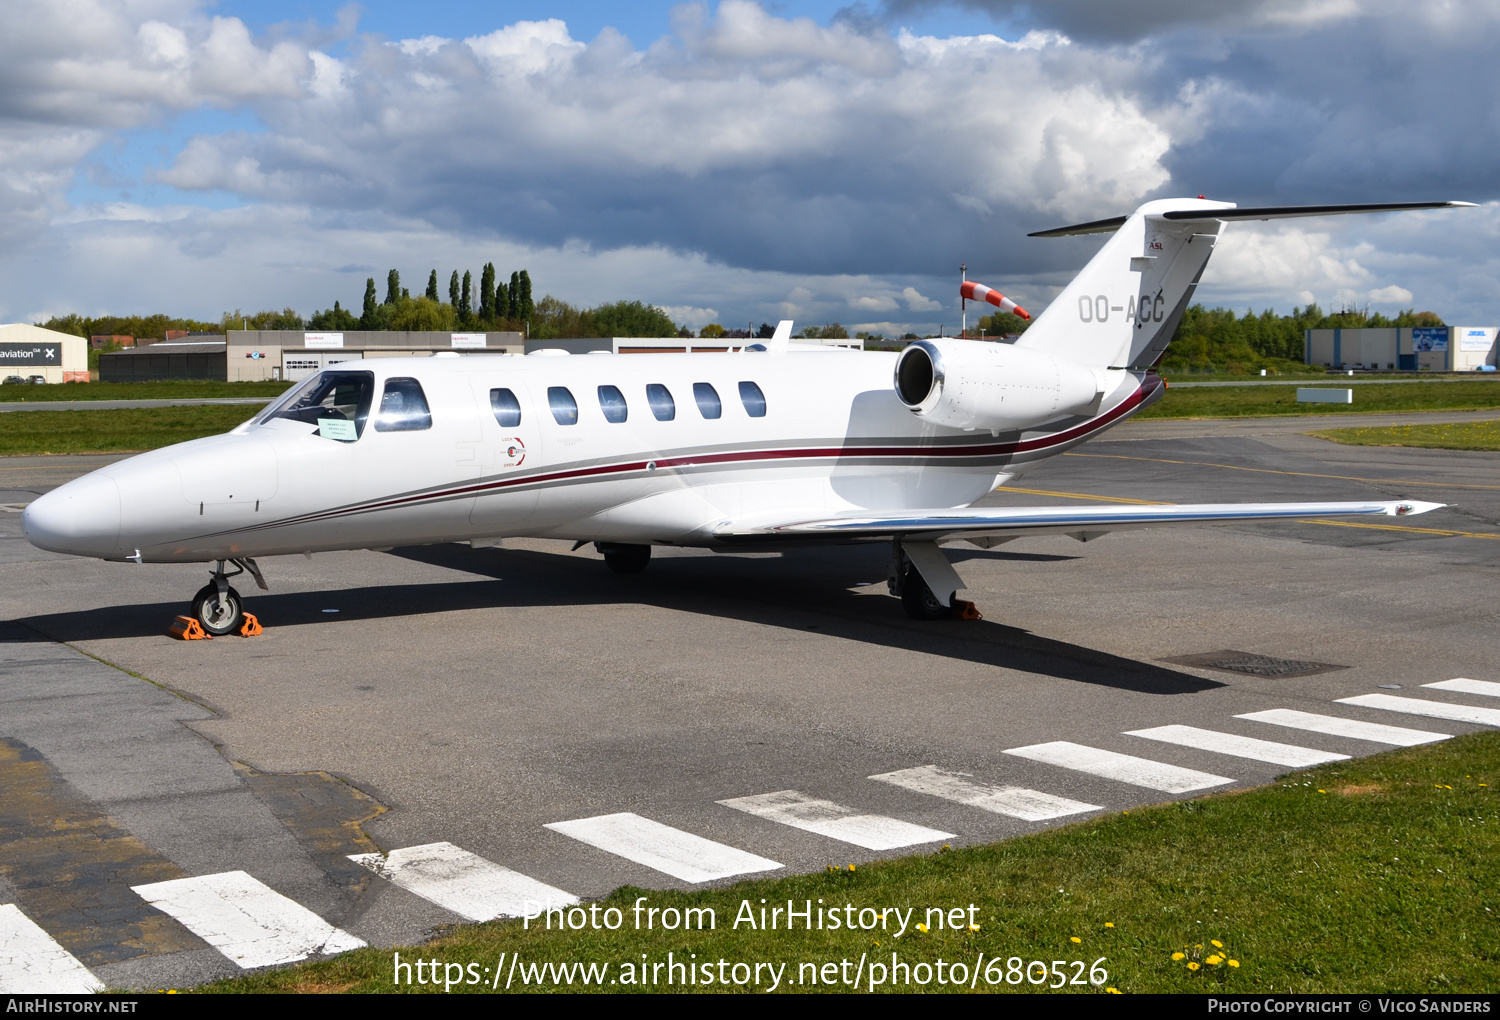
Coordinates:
1409 349
27 350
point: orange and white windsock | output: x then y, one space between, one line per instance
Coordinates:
979 292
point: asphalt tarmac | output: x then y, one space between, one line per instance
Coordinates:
446 694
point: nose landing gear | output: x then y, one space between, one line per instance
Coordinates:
217 606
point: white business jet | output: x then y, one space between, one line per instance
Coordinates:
771 446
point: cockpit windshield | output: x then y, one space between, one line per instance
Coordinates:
338 403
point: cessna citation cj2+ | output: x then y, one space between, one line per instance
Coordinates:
773 446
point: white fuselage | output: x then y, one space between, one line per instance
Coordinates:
833 438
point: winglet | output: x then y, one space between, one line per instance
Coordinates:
782 338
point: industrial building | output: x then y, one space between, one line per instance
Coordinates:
195 356
28 351
1405 348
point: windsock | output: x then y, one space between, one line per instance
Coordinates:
979 292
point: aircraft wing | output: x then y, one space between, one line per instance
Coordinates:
1089 521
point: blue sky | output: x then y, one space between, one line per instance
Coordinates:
733 160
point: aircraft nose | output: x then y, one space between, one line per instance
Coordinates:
81 518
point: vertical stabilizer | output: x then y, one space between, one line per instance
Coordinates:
1121 310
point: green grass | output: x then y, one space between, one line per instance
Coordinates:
184 390
117 430
1470 435
1385 882
1258 401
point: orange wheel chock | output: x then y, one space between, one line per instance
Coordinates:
251 626
965 610
188 629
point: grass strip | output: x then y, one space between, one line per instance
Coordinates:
117 430
1258 401
1469 435
1375 874
195 389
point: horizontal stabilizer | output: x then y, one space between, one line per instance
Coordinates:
1270 212
938 525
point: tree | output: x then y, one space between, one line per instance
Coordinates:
432 294
367 317
632 318
1002 323
335 319
392 287
465 307
420 314
711 332
487 292
453 289
502 301
523 307
515 295
766 331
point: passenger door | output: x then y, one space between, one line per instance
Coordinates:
508 453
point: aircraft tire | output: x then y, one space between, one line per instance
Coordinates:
215 619
624 559
919 601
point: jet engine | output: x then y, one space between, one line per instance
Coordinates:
970 384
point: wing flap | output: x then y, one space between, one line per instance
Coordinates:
938 525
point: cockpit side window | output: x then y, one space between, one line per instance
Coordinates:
338 403
659 398
506 407
403 407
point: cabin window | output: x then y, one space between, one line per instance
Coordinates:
753 399
403 407
660 400
506 407
612 403
564 407
707 397
338 403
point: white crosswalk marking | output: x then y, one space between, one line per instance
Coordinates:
1467 686
1239 747
1431 709
246 920
464 883
1015 801
32 963
677 853
873 832
1124 768
1378 733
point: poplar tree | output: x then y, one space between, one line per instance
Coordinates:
502 302
465 307
487 292
515 295
523 308
367 317
392 287
453 290
432 293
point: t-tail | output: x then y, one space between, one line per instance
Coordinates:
1122 310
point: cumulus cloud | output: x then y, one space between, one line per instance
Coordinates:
805 169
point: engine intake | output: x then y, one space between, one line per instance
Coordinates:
969 384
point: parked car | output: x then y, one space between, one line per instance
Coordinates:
37 379
12 380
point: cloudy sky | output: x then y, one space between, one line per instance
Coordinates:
733 161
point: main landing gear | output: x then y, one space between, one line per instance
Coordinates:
917 568
217 606
624 559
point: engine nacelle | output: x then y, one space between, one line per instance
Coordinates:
969 384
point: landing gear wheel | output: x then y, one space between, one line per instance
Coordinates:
624 559
217 616
919 601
